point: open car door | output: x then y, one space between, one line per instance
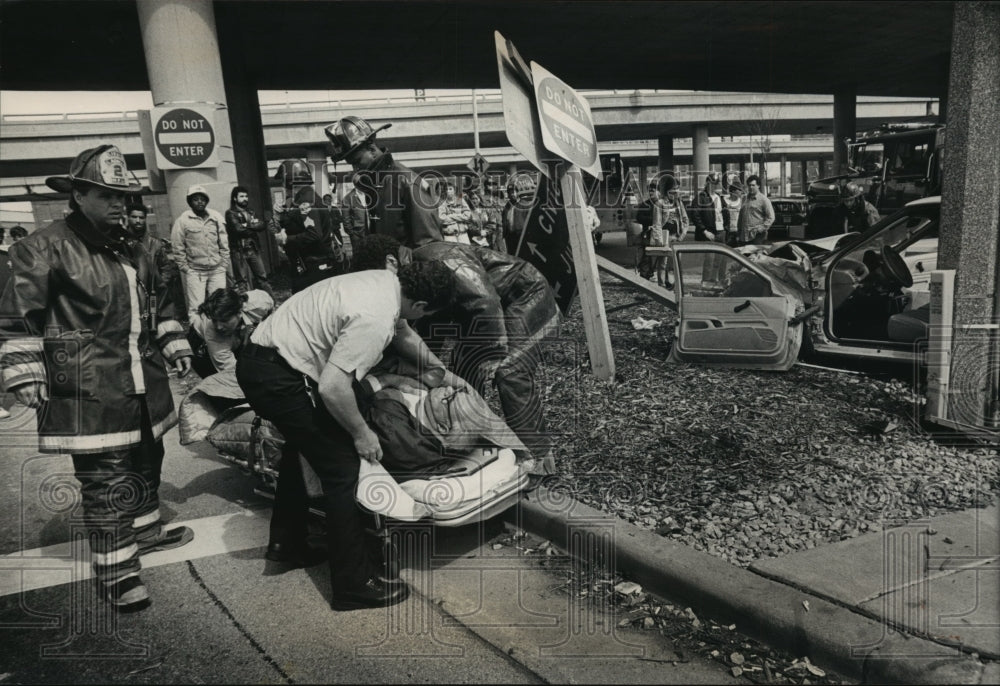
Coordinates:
731 312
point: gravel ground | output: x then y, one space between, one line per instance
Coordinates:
743 464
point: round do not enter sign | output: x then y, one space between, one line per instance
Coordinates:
566 120
185 137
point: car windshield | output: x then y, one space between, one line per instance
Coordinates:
866 157
894 230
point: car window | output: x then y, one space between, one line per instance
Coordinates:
719 275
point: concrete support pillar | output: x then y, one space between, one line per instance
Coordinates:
782 175
805 175
700 155
665 153
244 119
182 56
969 216
844 124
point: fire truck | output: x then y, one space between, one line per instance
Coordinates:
895 164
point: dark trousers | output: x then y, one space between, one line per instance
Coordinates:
247 263
121 506
278 393
316 272
517 388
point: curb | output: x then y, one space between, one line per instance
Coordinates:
831 636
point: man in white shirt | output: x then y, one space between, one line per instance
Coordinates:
299 371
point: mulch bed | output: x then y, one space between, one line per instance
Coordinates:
745 464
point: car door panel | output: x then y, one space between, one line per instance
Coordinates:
739 318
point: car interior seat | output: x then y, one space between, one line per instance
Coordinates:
912 325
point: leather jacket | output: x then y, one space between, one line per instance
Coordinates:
241 226
401 204
310 236
501 301
89 315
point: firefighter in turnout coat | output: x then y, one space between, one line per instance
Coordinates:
86 326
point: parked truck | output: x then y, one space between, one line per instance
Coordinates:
895 164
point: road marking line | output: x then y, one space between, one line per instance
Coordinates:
30 570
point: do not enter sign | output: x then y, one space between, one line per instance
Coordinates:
184 139
567 126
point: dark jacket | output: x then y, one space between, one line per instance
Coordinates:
355 215
241 227
401 204
310 237
336 219
703 216
103 350
501 301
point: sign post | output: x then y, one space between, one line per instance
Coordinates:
545 119
568 131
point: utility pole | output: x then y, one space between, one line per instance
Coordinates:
475 120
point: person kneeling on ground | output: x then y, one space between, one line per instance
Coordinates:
222 326
299 370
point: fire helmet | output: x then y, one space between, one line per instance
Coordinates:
103 166
349 134
850 191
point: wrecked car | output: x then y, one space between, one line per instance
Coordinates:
861 295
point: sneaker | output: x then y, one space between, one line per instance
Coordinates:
375 592
127 595
167 540
4 413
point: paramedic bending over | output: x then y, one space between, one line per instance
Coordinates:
298 371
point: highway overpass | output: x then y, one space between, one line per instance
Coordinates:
438 132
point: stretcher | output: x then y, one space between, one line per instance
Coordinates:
472 487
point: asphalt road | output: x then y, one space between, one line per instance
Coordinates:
479 613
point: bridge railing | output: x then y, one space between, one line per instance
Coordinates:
492 95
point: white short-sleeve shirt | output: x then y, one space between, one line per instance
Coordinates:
345 320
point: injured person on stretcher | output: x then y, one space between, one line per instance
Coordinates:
446 455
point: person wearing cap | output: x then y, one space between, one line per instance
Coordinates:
201 249
242 225
756 215
87 328
854 213
307 235
400 203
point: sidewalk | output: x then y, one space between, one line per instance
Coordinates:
936 581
